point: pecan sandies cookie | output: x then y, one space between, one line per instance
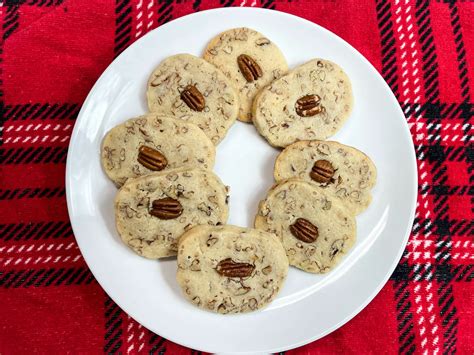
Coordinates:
316 231
153 211
191 89
230 269
312 102
345 173
153 143
250 60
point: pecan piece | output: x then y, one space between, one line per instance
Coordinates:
322 171
308 105
262 41
230 268
336 247
266 270
151 158
249 68
193 98
304 230
166 208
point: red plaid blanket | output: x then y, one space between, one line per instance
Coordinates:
52 52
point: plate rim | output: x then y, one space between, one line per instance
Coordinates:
413 163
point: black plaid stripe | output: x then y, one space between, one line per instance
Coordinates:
123 25
31 155
2 121
165 11
196 5
462 227
462 64
448 313
463 273
41 111
439 154
268 4
157 344
406 334
34 2
2 105
45 277
389 55
470 161
226 3
37 192
442 272
430 65
10 22
113 327
429 110
444 190
35 231
460 51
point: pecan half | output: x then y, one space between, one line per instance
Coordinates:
230 268
322 171
193 98
151 158
304 230
166 208
249 68
308 105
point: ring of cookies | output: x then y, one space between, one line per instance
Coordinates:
170 202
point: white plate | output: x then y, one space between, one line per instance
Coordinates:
309 306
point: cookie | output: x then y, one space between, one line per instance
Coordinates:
312 102
191 89
250 60
314 229
345 173
229 269
154 143
153 211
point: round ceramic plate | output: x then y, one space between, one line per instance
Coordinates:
309 306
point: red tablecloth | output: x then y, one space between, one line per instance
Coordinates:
52 52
